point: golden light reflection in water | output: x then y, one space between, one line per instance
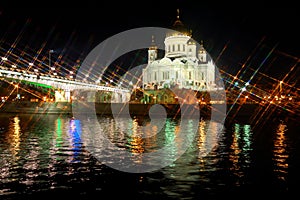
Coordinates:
280 154
208 137
15 144
235 149
201 140
202 137
136 143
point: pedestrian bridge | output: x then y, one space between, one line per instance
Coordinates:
63 86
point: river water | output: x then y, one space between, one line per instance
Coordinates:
45 156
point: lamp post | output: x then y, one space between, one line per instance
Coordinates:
50 52
17 87
280 86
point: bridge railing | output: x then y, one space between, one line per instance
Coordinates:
59 83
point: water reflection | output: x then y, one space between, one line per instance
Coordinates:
51 155
280 153
75 135
15 143
196 164
240 149
135 142
10 150
209 135
59 132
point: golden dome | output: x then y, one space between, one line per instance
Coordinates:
180 27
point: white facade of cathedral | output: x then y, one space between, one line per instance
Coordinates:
184 65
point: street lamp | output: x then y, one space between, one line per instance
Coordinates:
17 87
50 52
280 86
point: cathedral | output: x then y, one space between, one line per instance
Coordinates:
185 65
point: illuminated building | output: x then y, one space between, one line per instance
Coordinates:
185 65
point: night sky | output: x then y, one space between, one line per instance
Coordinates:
238 27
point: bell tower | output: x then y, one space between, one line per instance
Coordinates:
202 53
152 51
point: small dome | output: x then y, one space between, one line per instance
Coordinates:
191 41
154 63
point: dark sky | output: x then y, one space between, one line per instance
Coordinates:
81 26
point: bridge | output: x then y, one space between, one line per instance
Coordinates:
58 75
63 86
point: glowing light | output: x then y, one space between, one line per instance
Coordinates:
16 137
59 139
280 154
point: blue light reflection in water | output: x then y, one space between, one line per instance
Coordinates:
75 134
